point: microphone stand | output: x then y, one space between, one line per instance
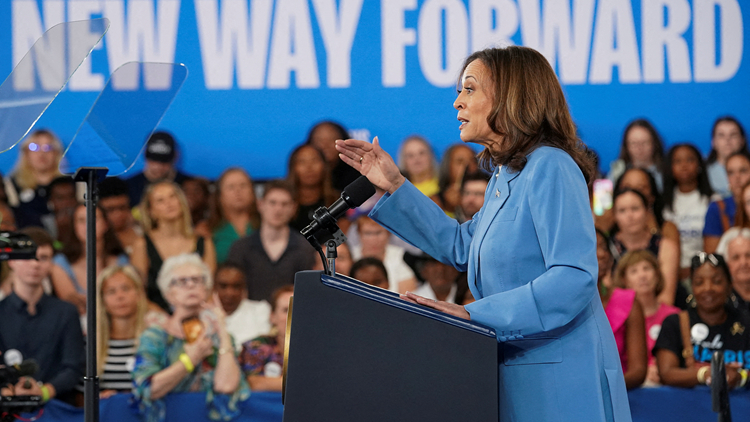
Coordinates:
331 254
329 227
91 176
719 388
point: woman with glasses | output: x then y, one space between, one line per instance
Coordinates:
168 231
688 340
641 147
37 166
192 350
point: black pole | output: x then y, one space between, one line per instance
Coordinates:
91 175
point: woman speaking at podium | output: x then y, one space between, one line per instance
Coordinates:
530 252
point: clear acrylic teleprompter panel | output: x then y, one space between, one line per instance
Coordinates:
42 73
123 117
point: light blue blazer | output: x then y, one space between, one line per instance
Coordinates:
530 253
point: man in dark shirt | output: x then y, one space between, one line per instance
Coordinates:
42 327
161 154
274 253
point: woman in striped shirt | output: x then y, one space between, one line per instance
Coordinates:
122 308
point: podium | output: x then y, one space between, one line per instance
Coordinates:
358 353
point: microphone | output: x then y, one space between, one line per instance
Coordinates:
12 373
353 195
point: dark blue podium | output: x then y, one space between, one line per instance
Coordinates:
360 353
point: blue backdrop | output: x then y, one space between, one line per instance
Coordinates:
261 72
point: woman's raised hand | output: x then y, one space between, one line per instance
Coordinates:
370 160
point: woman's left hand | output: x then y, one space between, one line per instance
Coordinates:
447 307
216 307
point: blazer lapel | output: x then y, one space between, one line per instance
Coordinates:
498 191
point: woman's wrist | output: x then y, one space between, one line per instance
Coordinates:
187 362
397 184
743 377
702 374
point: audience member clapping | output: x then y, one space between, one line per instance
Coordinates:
417 162
688 340
114 200
310 179
639 271
687 194
735 245
721 214
371 271
121 318
42 327
168 232
374 240
234 213
473 188
323 137
192 351
262 358
273 254
641 147
458 160
37 166
625 315
246 319
633 233
727 137
68 275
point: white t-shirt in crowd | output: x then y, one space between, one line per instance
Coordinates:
397 268
689 215
250 320
425 290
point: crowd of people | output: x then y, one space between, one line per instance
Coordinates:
194 276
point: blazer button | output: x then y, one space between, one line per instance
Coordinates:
497 193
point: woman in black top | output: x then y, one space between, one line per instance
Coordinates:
714 326
168 231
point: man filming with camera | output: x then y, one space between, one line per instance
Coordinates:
41 327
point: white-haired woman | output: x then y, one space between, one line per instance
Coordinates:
192 350
734 246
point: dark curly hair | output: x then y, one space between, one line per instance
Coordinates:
529 110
